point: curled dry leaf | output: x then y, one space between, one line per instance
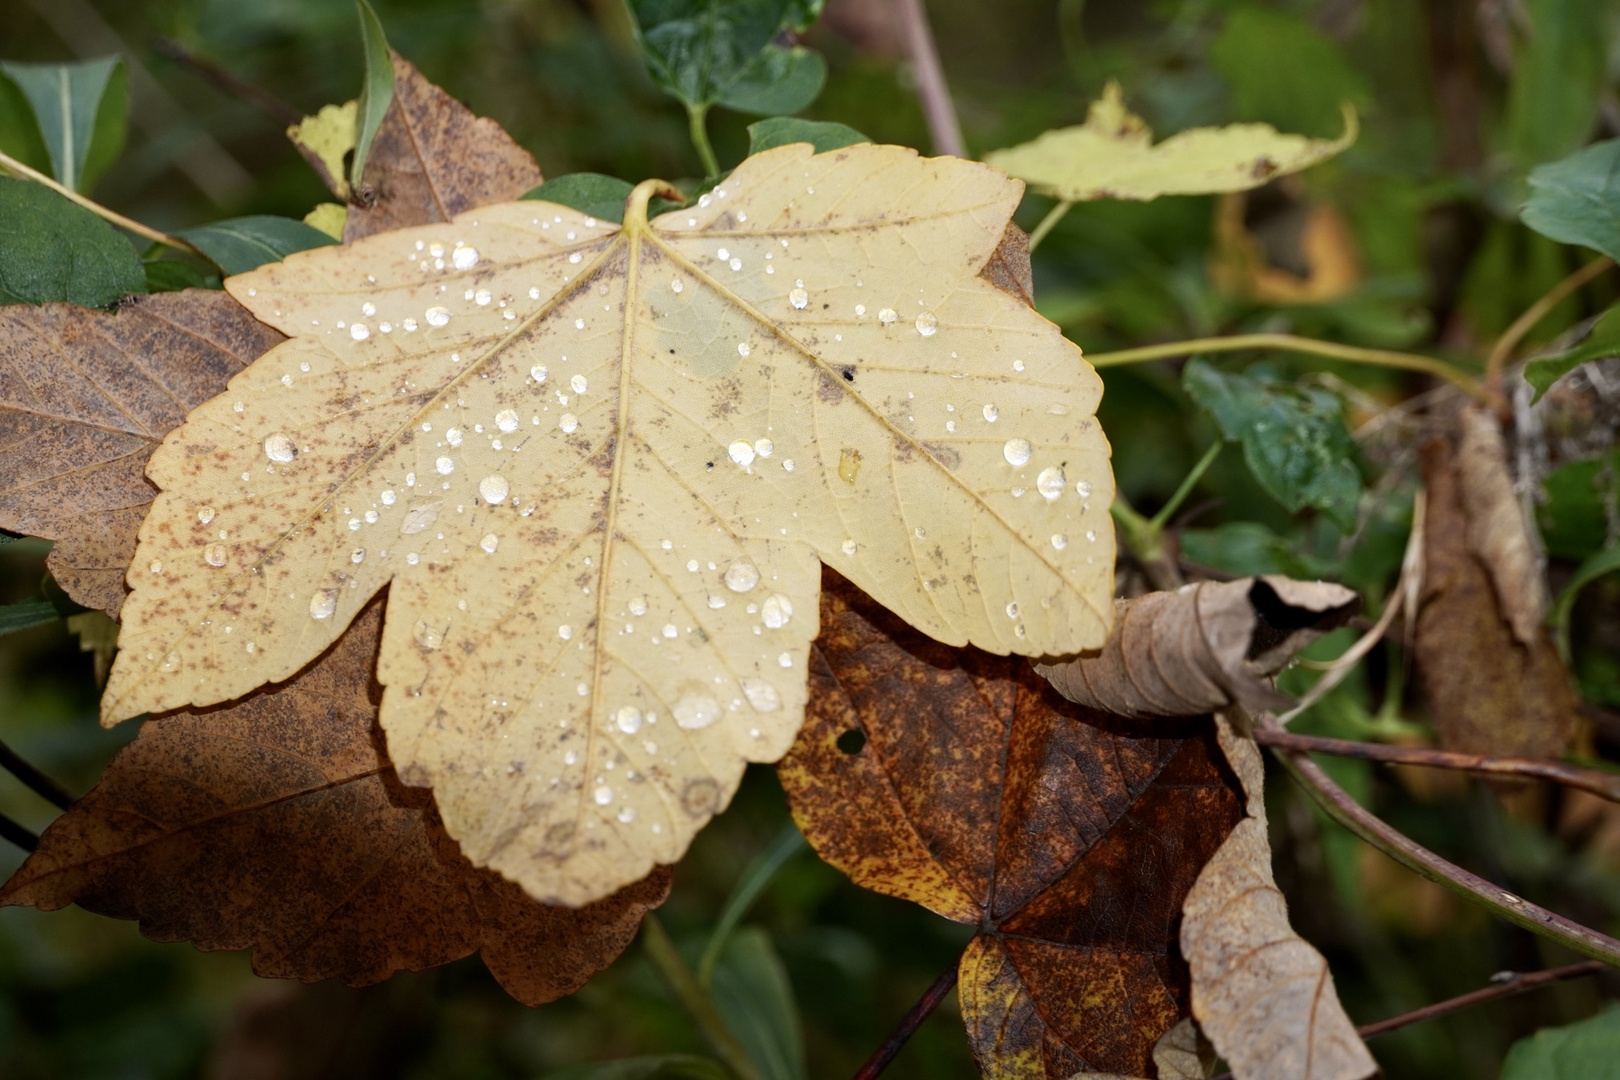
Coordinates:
1260 992
601 466
1182 1053
1203 647
433 159
1490 693
1112 156
1497 532
85 399
276 824
1067 836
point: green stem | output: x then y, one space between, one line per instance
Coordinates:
1145 542
1290 343
758 875
694 999
1163 516
697 123
1048 223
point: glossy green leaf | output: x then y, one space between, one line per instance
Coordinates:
752 992
1603 341
824 135
1588 1050
82 113
376 92
1294 441
1558 77
51 249
237 245
651 1067
724 51
1577 200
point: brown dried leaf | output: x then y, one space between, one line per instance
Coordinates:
1489 692
277 824
1260 992
1203 648
1497 533
1182 1053
432 159
1069 837
85 398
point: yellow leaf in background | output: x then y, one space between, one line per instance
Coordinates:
324 139
329 217
599 468
1112 156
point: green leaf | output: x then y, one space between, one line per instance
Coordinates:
51 249
1558 77
1577 200
82 111
237 245
1588 1050
652 1067
19 130
1602 342
1572 518
590 193
752 992
1242 548
1294 441
172 275
377 91
824 135
31 613
755 878
1604 562
723 51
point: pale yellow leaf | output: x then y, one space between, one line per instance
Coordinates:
1112 156
324 139
604 533
329 217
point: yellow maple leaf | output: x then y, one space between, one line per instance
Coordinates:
599 468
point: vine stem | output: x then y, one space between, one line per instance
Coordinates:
12 165
903 1031
1290 343
694 999
1049 222
943 127
1339 806
1502 351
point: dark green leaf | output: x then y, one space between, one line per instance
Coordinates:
1577 200
1603 341
708 51
51 249
1573 518
1242 548
173 275
778 81
752 992
376 92
1589 1050
781 130
237 245
591 193
31 613
755 878
76 106
652 1067
1558 78
1294 441
1604 562
19 130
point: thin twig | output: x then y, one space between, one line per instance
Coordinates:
1048 223
695 1000
1338 805
1290 343
10 830
909 1023
1502 351
12 165
33 779
1602 784
278 110
935 95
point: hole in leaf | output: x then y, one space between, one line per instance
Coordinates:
852 741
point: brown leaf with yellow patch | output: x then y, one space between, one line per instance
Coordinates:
277 824
1068 836
432 159
85 399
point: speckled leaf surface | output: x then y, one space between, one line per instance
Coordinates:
601 467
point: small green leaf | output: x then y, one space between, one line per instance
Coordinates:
1577 200
1588 1050
376 93
755 879
1602 342
652 1067
51 249
1294 441
704 52
237 245
752 992
173 275
778 81
1243 548
1604 562
590 193
82 111
31 613
824 135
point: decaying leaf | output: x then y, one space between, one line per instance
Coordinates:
1203 647
1112 156
1067 836
1182 1053
277 824
601 466
324 140
1260 992
1489 692
85 399
1497 532
433 159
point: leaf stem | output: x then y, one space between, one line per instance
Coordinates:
1162 518
1146 545
885 1054
1502 351
697 123
943 127
12 165
1291 343
10 830
33 779
1049 222
1338 805
758 874
694 999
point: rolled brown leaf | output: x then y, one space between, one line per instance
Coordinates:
1203 647
1497 532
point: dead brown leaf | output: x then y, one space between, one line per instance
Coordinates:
1260 992
1203 647
1497 533
1067 836
432 159
1489 692
85 399
277 824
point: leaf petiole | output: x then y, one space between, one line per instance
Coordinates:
1162 518
694 999
697 123
1048 223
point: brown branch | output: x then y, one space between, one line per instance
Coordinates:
278 110
935 95
909 1023
32 778
1596 781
